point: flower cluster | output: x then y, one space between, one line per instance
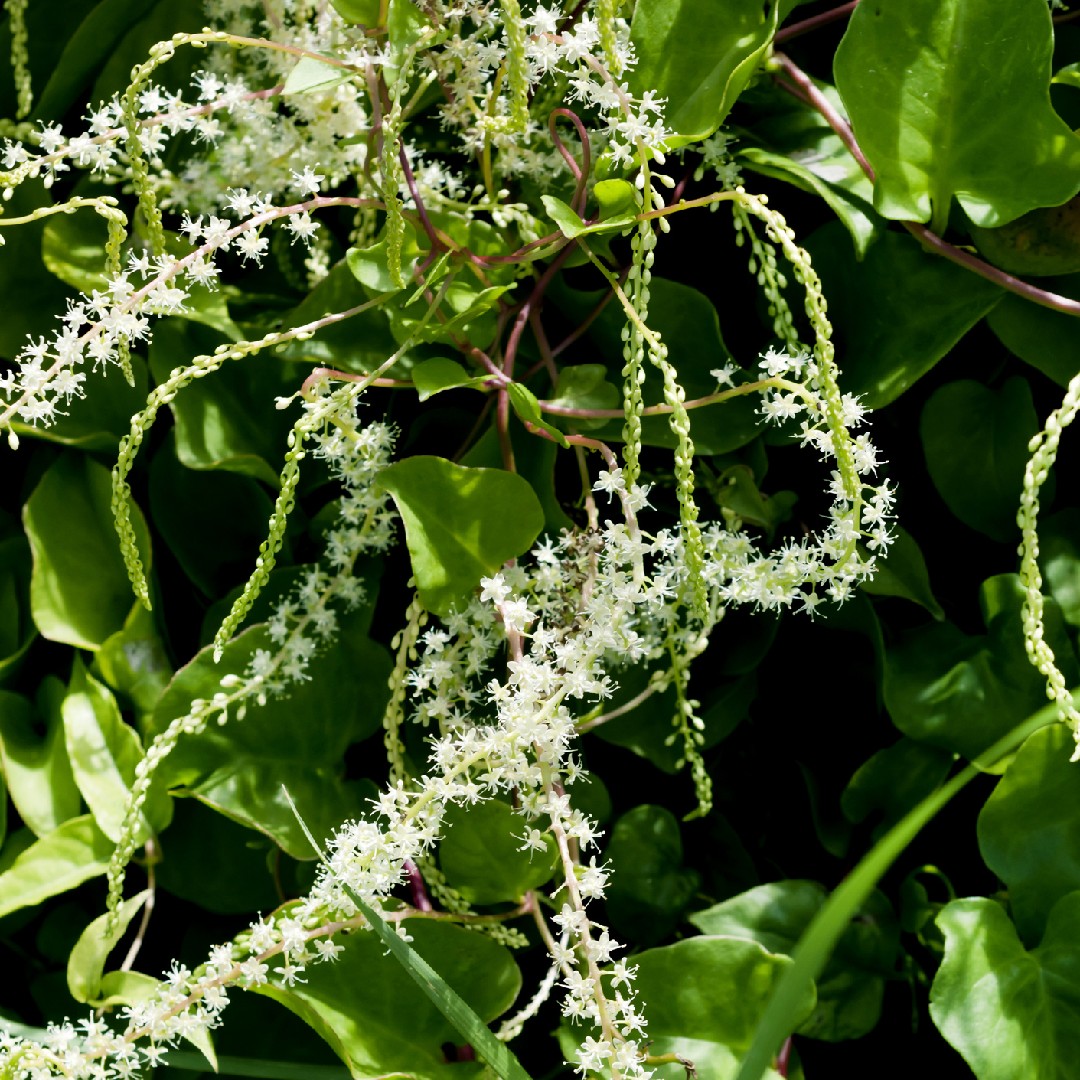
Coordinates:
504 686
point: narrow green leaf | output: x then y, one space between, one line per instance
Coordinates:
86 963
955 690
457 1011
712 989
894 780
951 98
781 1016
851 987
460 524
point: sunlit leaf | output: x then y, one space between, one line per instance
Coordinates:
950 98
1009 1012
460 524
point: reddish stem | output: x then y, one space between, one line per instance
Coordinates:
783 1059
417 889
797 29
814 97
581 173
421 210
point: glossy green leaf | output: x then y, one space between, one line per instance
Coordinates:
460 524
375 1016
73 248
650 887
228 419
894 780
31 294
1009 1012
86 964
126 988
736 490
216 863
17 630
976 445
951 98
164 19
100 419
69 523
239 768
647 729
405 22
94 39
370 265
535 460
957 691
71 854
896 313
104 752
189 505
1043 338
616 199
482 857
710 988
433 376
850 989
1029 829
36 769
356 344
791 141
903 573
133 662
586 386
700 74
